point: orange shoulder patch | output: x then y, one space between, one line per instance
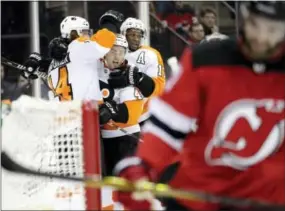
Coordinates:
104 37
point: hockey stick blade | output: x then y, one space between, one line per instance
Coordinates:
10 165
159 190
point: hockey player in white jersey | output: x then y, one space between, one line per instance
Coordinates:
72 73
122 108
149 75
76 77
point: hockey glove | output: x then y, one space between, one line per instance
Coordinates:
58 48
134 170
112 20
126 77
35 62
107 111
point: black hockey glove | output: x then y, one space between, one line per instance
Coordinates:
124 77
35 62
112 20
131 76
58 48
107 111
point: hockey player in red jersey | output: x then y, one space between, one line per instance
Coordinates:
222 117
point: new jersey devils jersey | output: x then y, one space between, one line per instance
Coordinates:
224 115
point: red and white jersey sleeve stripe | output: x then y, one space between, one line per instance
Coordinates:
173 116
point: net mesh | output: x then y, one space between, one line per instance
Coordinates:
46 136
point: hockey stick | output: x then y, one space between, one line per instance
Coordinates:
157 189
22 68
113 124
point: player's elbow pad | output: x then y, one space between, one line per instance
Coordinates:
146 85
123 113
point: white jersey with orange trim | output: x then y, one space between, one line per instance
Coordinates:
76 77
129 95
150 62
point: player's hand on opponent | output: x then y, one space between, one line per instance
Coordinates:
35 62
58 48
137 172
111 20
129 75
107 111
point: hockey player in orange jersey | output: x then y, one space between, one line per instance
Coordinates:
149 75
121 108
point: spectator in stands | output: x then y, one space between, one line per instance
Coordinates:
208 18
196 33
180 17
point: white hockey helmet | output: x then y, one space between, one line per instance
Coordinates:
132 23
121 41
70 23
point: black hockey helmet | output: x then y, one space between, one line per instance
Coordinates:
269 9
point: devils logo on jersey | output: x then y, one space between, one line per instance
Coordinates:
247 132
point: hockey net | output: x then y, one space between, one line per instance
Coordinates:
56 137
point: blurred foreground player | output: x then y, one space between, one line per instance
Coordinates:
223 116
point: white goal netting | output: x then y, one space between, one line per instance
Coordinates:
46 136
